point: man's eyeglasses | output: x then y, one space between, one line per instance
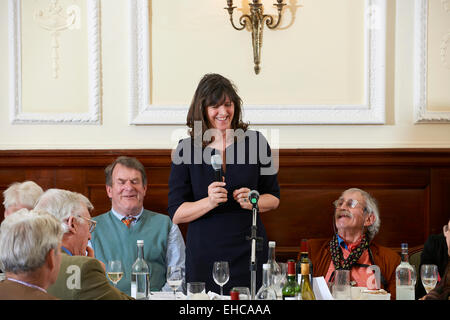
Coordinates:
350 203
91 223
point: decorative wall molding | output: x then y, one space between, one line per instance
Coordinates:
421 112
446 38
54 20
446 5
17 115
444 50
371 112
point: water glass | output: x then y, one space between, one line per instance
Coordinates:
244 293
196 291
281 278
277 277
341 286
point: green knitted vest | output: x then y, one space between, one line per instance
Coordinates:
113 240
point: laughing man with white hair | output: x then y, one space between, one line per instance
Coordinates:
357 221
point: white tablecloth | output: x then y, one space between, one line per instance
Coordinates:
164 295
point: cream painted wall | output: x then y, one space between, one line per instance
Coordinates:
114 132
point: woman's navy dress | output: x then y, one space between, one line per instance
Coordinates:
220 234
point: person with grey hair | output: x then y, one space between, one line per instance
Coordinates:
356 222
81 277
21 195
118 229
73 210
30 244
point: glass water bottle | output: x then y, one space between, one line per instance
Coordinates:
266 292
140 275
405 277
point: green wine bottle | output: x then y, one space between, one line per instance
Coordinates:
291 290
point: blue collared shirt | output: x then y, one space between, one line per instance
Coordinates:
120 216
342 242
67 251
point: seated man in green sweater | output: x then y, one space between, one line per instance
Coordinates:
119 229
80 277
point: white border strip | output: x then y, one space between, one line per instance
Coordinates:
17 116
421 113
371 112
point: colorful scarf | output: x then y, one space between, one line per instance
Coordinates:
338 258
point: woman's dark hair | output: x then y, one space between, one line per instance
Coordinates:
212 90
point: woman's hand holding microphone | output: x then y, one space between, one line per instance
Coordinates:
217 194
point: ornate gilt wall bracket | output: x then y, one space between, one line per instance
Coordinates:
255 21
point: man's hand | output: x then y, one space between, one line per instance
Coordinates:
90 253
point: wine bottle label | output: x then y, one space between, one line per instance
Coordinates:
305 268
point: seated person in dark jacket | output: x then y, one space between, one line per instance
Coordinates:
442 289
434 252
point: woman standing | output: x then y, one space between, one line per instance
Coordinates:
218 212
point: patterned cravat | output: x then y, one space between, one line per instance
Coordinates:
128 220
338 258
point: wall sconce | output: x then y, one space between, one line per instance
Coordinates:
256 23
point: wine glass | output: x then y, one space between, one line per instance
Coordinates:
429 276
114 270
174 278
221 274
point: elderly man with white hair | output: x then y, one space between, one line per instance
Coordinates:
81 277
356 221
21 195
30 244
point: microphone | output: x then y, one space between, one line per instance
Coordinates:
253 196
216 162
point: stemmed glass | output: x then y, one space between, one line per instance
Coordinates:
174 278
221 274
279 278
114 270
429 276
